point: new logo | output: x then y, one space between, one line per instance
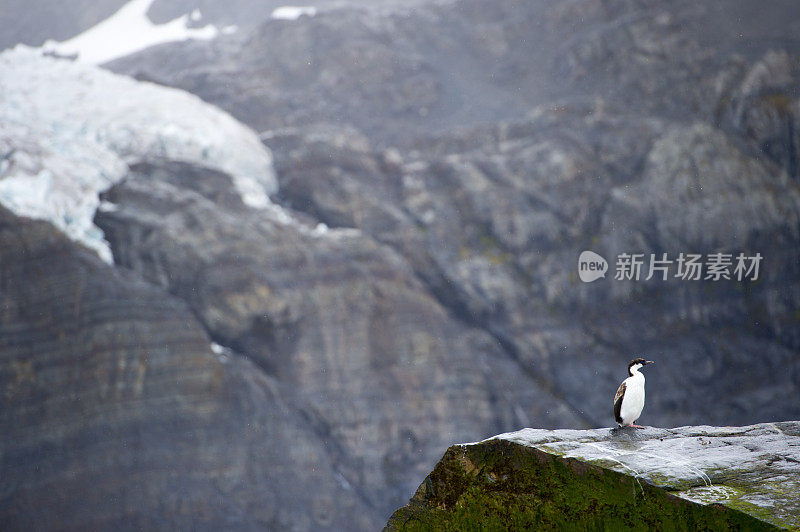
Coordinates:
591 266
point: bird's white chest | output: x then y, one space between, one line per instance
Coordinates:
633 400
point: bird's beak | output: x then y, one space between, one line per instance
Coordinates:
649 362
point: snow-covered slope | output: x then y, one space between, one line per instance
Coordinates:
127 31
293 12
68 131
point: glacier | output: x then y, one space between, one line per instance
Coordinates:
69 130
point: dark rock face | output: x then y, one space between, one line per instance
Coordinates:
672 132
759 102
493 221
117 414
334 316
716 478
453 313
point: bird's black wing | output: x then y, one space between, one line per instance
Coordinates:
618 402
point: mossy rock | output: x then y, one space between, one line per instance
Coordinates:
543 483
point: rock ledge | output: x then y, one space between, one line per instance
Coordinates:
682 478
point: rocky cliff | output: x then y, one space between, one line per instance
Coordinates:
688 478
118 413
490 145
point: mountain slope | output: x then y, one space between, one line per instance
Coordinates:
116 412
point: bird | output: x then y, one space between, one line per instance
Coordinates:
629 401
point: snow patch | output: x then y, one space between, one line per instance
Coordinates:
224 354
69 130
293 12
280 215
127 31
107 206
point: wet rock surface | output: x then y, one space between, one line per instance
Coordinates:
738 476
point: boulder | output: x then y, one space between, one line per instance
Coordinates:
698 477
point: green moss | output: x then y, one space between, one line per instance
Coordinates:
499 485
736 495
756 511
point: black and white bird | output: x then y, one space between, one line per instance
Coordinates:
629 401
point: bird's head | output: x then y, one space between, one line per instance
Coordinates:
636 364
